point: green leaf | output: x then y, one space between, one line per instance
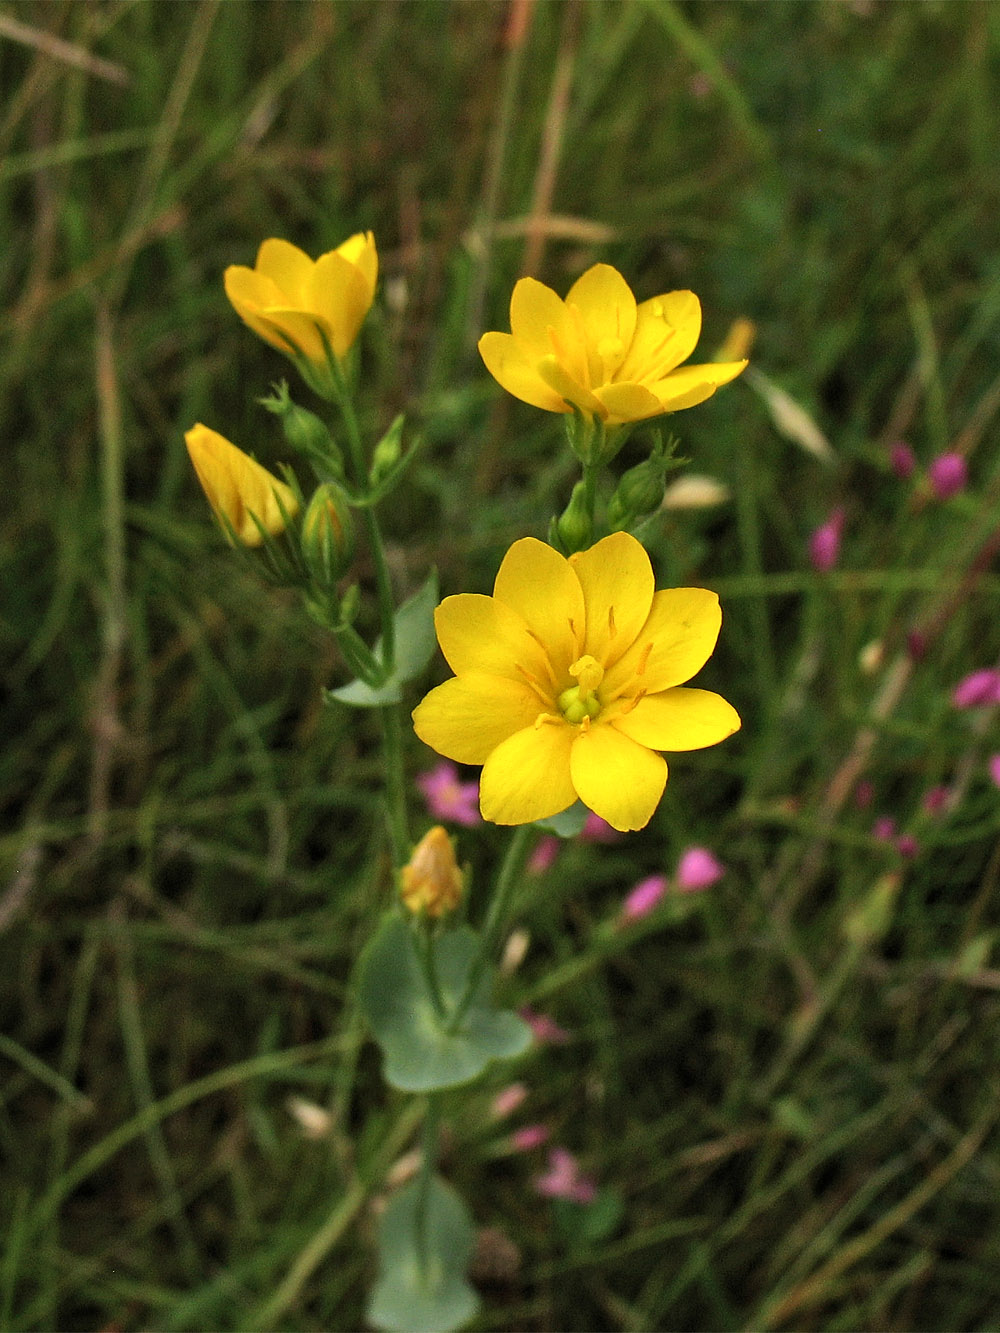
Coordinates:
421 1052
415 644
425 1240
568 823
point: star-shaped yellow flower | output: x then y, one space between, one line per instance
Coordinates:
567 683
238 487
601 352
293 303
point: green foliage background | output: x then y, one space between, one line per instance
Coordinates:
788 1083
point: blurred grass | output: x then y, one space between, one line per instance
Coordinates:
787 1081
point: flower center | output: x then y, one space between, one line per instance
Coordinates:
580 701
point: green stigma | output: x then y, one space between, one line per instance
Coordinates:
581 700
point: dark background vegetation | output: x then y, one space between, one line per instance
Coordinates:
788 1082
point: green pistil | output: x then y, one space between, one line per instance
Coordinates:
575 704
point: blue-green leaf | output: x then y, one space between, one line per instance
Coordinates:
425 1241
415 643
421 1051
568 823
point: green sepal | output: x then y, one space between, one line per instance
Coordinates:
415 643
567 823
425 1240
422 1053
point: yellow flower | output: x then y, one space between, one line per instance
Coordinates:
431 881
237 487
598 350
294 303
566 683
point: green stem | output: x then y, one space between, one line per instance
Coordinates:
591 471
428 1163
373 532
496 917
395 784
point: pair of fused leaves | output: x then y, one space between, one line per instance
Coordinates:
415 643
429 1042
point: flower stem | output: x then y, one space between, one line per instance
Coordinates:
496 917
373 532
395 784
428 1162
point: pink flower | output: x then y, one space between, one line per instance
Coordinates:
507 1100
884 829
447 797
564 1179
824 544
864 794
902 460
546 1030
994 767
545 853
644 897
980 689
948 475
531 1136
596 829
698 869
916 644
936 800
907 846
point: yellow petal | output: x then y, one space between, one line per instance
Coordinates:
608 310
288 267
628 402
249 293
527 777
360 251
675 642
538 584
297 331
478 633
534 310
693 384
616 778
558 378
679 719
237 487
618 584
666 333
467 717
339 295
515 371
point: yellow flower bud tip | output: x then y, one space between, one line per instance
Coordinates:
238 488
600 352
302 306
431 881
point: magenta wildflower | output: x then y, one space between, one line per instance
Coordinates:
596 829
916 645
884 828
948 475
449 798
980 689
994 767
531 1136
864 794
824 544
698 869
545 853
545 1030
644 897
507 1100
936 799
902 460
907 846
565 1180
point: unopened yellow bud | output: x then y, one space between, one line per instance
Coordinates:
238 488
328 535
739 340
431 881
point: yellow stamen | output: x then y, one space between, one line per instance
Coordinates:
611 622
641 667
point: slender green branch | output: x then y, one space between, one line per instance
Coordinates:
496 917
428 1163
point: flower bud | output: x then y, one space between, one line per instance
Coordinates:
303 429
431 881
244 496
948 475
328 535
386 453
639 492
573 526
